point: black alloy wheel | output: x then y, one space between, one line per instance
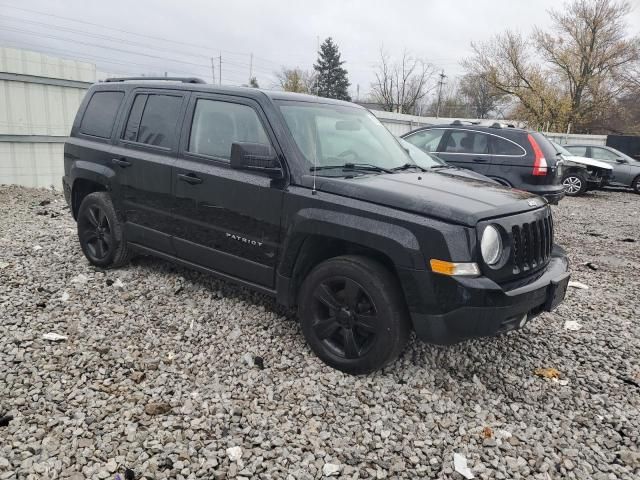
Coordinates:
344 317
100 232
96 233
353 314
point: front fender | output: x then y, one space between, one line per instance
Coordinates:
396 242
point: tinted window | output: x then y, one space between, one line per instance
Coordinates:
578 151
465 141
502 146
133 124
603 154
216 125
100 115
153 120
427 140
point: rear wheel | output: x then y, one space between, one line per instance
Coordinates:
574 183
353 314
636 184
100 232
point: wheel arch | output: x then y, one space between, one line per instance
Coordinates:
312 240
88 177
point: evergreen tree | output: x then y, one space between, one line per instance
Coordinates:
332 81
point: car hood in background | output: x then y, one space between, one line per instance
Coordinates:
588 161
447 194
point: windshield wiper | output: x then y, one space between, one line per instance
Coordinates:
353 166
441 166
407 166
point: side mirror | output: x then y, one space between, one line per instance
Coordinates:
621 160
256 157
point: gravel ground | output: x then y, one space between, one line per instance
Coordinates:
176 375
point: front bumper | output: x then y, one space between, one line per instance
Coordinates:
486 308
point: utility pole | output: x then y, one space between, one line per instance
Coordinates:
250 69
213 72
220 69
440 85
358 93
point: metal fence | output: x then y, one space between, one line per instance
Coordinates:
39 97
399 124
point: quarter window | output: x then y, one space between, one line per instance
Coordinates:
152 120
216 125
466 141
426 140
505 147
100 115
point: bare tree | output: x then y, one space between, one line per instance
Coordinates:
508 65
478 93
568 76
400 86
587 49
295 80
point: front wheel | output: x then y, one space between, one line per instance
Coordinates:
636 184
353 314
574 184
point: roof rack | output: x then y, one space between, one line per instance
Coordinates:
502 125
464 122
169 79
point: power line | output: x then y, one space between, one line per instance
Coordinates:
97 45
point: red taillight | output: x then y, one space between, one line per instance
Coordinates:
539 162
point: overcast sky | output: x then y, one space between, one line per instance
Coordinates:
180 37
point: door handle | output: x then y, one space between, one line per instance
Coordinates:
121 162
479 159
190 178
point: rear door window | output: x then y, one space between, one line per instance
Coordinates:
216 125
578 151
466 141
153 119
100 114
426 140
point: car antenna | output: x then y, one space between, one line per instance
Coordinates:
315 167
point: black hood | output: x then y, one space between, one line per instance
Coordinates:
449 194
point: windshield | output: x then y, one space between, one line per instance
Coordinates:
338 135
420 157
560 149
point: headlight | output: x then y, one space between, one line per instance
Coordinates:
491 245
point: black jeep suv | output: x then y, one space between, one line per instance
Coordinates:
314 202
513 157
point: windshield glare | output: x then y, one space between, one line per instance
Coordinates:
420 157
330 135
560 149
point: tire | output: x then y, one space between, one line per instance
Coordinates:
353 314
574 184
100 232
636 184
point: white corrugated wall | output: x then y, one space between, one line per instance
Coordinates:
31 107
